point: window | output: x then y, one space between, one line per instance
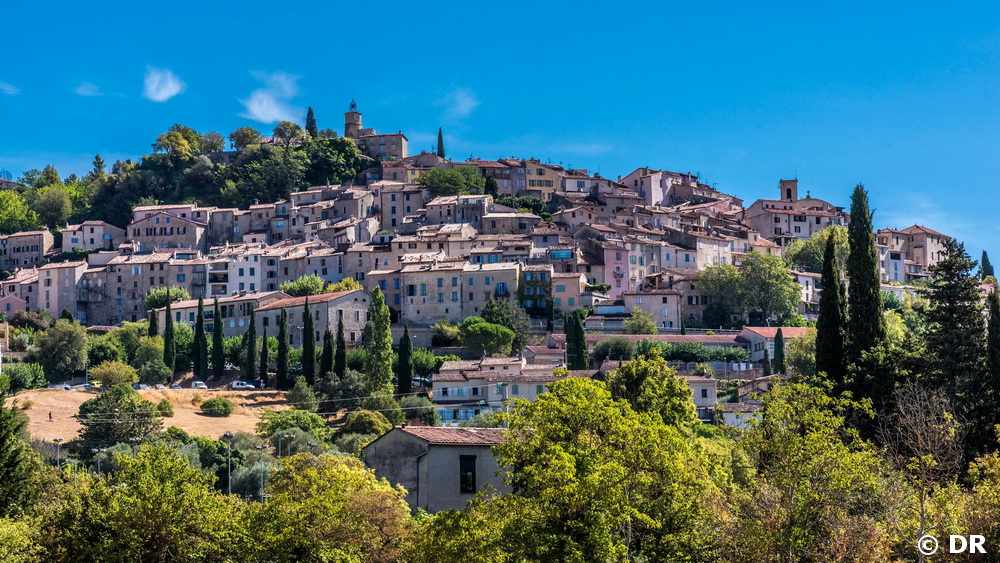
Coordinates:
515 390
704 393
539 389
467 474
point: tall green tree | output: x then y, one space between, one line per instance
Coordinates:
218 342
866 324
169 345
264 360
404 363
956 346
308 345
597 480
767 362
831 337
326 356
340 353
440 143
281 378
993 350
378 343
311 124
63 350
153 328
509 314
768 287
18 463
200 348
250 344
985 268
651 386
779 352
578 356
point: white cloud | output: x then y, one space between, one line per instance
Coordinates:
270 103
161 84
459 102
9 89
88 89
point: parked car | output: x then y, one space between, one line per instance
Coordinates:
159 386
198 385
175 386
87 386
68 388
242 385
140 386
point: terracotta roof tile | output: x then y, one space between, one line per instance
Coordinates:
456 436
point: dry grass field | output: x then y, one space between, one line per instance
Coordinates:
64 406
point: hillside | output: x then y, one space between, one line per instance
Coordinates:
65 404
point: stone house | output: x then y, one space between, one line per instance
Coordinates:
326 308
441 468
92 235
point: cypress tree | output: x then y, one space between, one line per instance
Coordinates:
281 368
308 345
311 124
326 356
440 147
831 340
779 351
218 348
993 351
767 362
683 327
985 267
378 344
200 346
17 486
550 316
581 356
340 352
154 324
404 371
866 324
169 348
250 341
956 346
263 359
569 326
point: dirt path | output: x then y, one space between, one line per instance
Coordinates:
64 405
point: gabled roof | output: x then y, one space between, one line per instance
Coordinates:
772 331
313 300
455 436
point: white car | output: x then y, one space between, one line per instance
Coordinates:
238 385
198 385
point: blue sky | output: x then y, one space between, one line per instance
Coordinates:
900 96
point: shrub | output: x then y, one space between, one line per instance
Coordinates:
27 404
616 348
24 376
352 443
365 422
420 407
217 406
197 399
165 408
273 421
155 371
444 333
110 373
385 404
302 396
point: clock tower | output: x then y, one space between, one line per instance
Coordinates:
352 122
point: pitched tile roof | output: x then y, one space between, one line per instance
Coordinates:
456 436
313 300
